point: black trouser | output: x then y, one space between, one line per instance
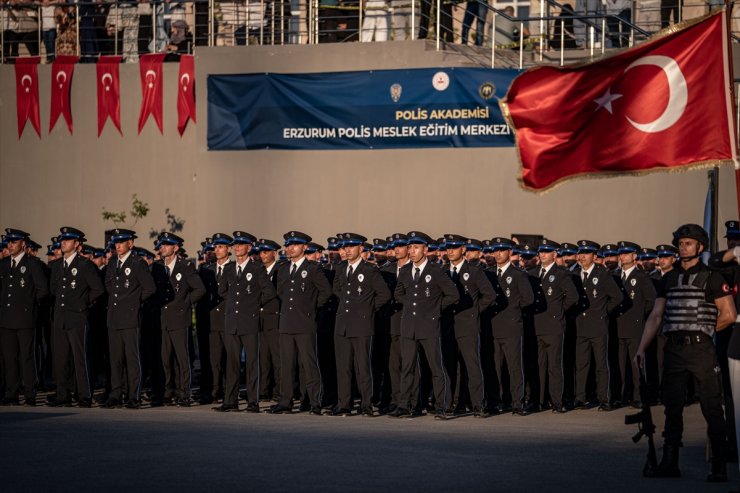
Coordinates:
381 383
697 360
509 349
666 7
409 368
354 352
394 369
175 357
584 347
627 349
217 350
270 363
124 356
294 347
466 351
19 361
251 345
550 364
69 344
203 331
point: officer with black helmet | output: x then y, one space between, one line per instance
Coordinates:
692 302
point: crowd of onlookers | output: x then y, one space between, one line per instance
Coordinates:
134 27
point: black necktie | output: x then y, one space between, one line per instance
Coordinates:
219 272
455 275
239 272
585 276
12 263
500 272
350 271
624 277
542 274
65 266
292 270
417 274
118 266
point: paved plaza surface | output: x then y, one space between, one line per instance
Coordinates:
197 449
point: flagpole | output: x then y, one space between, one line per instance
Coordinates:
714 201
728 40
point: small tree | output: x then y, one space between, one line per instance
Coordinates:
174 225
139 210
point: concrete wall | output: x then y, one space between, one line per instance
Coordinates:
67 180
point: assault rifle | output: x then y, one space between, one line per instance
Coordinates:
646 427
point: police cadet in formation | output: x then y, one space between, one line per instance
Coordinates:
461 320
693 302
75 285
638 292
269 324
212 274
178 288
246 289
391 273
23 285
513 294
129 283
555 294
361 292
599 296
424 290
302 287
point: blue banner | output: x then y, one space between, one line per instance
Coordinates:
380 109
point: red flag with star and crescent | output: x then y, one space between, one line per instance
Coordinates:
185 92
664 104
27 93
62 70
109 92
150 66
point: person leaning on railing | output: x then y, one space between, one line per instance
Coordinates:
26 25
564 29
181 41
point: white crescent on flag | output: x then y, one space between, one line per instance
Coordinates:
678 94
106 76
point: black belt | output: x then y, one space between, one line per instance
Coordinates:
688 339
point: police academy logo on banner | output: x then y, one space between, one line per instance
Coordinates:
487 90
396 90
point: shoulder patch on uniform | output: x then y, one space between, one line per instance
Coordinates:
726 288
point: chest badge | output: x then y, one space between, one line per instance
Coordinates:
466 276
23 269
595 280
249 276
427 278
304 274
74 271
360 277
127 271
178 276
508 280
633 282
595 293
549 291
551 278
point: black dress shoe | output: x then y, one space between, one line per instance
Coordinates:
559 409
532 408
518 411
440 415
279 409
156 403
59 403
226 408
84 402
205 400
252 408
169 401
340 411
112 404
637 404
368 412
183 402
580 405
605 406
30 401
133 404
101 399
315 410
480 412
400 412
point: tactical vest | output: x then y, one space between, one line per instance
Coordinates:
687 308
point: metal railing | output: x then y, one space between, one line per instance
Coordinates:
133 27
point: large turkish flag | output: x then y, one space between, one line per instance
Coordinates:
663 104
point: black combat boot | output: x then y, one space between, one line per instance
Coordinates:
719 471
668 467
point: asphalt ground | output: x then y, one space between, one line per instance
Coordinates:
197 449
